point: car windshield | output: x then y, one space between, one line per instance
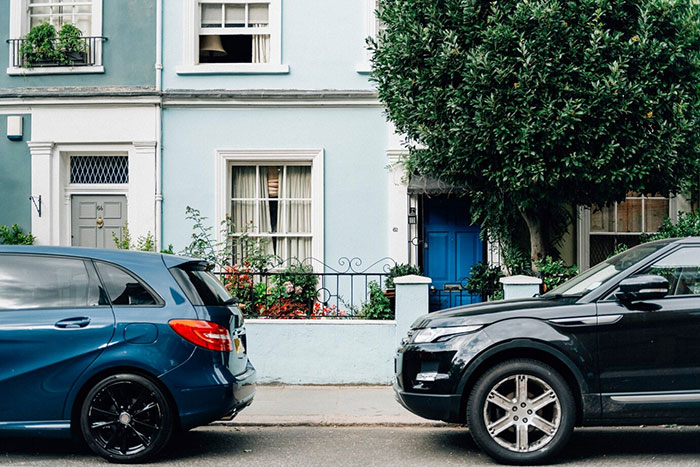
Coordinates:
596 276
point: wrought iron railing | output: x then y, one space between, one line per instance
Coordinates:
88 56
294 290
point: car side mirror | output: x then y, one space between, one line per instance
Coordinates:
640 288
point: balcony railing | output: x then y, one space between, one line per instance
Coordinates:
89 57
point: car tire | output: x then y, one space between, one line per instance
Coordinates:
521 412
126 418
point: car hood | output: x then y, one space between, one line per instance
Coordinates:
490 312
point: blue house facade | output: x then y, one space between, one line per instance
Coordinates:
269 118
80 125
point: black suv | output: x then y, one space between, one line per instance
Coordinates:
617 345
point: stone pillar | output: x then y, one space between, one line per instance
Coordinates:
411 302
44 184
520 286
142 191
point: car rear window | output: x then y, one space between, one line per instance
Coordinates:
200 286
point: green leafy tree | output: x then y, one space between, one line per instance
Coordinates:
535 106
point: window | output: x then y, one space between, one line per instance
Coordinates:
60 12
234 33
623 223
99 169
46 282
123 288
272 203
235 36
86 15
682 270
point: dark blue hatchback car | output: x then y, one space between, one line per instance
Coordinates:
122 348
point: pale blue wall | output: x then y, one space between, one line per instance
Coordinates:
128 55
322 42
15 176
355 177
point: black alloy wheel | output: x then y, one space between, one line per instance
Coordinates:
521 412
126 418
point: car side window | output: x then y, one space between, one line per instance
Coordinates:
682 270
36 281
123 288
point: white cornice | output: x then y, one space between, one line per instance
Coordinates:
196 99
27 102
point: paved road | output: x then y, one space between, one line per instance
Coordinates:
371 446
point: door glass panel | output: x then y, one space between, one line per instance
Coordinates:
123 288
45 282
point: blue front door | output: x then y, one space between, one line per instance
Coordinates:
452 245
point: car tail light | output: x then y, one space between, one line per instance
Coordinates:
205 334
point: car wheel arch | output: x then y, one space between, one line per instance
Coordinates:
105 373
518 349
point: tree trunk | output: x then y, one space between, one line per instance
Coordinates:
537 246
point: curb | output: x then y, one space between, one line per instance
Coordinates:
233 424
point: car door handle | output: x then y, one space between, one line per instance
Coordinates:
73 323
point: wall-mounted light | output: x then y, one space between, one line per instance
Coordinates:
14 127
412 216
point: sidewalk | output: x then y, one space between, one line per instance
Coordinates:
327 405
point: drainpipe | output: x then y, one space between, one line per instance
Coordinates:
159 126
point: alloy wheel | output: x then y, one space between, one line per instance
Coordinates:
124 418
522 413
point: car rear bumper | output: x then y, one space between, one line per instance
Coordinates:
444 407
200 404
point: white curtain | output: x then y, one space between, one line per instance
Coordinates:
242 211
261 47
298 218
265 218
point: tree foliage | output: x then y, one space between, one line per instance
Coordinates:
535 106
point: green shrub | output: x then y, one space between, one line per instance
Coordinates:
400 270
688 225
377 307
69 44
39 44
14 235
483 279
555 272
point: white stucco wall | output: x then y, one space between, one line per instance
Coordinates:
322 351
329 351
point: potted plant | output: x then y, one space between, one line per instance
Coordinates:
38 47
71 45
397 270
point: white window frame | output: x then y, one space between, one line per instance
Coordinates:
584 228
190 58
371 30
19 27
226 158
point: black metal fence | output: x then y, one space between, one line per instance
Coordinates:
23 58
293 290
